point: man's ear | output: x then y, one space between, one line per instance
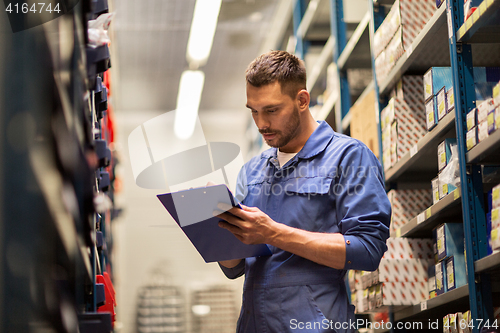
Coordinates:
303 98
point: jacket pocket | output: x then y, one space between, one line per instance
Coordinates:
308 185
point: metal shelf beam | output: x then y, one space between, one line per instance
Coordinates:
473 209
449 302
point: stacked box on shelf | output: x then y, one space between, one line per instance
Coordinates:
403 270
437 82
494 205
484 110
406 204
403 120
431 281
396 33
393 293
450 269
409 248
435 190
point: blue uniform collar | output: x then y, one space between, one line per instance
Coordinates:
316 143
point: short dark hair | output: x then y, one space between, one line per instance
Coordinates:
279 66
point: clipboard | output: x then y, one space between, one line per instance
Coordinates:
192 210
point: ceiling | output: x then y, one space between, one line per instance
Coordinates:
150 39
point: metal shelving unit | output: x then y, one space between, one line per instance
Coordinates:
435 45
430 49
48 281
473 206
348 54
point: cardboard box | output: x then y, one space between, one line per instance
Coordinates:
466 318
491 121
392 293
482 131
431 280
495 196
484 109
455 272
435 190
409 248
446 324
435 79
372 298
431 115
364 122
408 111
366 280
375 277
403 270
469 7
381 70
389 42
453 322
444 152
394 49
485 78
394 143
449 239
495 239
365 306
497 118
471 138
358 301
442 103
496 94
386 30
471 119
354 283
496 313
406 204
440 269
450 99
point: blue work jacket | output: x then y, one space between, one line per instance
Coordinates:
333 185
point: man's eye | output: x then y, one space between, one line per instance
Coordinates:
271 110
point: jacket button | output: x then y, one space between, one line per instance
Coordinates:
349 262
348 242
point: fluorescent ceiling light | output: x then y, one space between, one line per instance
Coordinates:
188 102
201 35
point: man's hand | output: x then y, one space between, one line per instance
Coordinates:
252 226
249 224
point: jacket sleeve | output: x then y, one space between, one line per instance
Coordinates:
363 208
235 272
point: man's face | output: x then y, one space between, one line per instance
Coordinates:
275 114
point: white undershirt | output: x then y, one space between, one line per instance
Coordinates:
284 157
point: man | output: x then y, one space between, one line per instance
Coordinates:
316 198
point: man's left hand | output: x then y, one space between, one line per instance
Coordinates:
249 224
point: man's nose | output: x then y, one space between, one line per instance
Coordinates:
261 121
